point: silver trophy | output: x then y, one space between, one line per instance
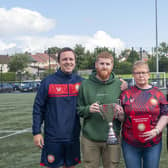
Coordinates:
107 111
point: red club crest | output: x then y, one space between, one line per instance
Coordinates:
51 158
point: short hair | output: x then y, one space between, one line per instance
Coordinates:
105 54
140 63
64 50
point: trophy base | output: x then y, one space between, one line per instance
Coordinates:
112 141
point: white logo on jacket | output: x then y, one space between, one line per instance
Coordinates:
58 89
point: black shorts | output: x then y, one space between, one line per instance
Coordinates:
59 154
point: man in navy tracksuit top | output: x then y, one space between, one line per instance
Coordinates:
55 105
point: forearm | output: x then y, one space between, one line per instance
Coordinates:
121 117
82 106
36 127
39 108
83 111
163 121
37 119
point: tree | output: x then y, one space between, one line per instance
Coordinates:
125 53
80 55
19 62
163 49
52 50
152 64
163 64
163 59
133 56
124 68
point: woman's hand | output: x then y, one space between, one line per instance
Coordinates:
151 134
119 112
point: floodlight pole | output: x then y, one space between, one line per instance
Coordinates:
49 62
157 60
1 75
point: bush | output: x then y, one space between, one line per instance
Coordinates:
8 76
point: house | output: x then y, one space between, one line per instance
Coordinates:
4 60
145 55
41 62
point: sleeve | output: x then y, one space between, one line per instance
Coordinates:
163 104
39 108
124 97
82 107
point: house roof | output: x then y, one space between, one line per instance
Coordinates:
4 59
42 57
52 66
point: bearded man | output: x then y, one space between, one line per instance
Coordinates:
102 87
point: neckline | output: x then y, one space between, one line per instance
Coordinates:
143 88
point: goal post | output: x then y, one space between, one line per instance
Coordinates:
158 79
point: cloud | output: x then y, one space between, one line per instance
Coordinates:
5 46
99 39
102 39
39 43
21 30
18 21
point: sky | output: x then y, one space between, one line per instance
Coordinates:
35 25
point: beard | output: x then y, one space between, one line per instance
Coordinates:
104 74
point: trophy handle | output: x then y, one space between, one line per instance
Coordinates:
101 111
118 101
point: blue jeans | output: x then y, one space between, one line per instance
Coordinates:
141 157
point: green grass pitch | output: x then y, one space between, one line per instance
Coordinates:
18 150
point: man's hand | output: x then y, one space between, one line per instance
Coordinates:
124 84
94 108
38 140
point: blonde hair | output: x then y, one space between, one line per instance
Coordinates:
140 63
105 54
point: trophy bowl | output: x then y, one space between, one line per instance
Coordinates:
107 111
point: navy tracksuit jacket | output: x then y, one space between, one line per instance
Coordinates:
55 105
